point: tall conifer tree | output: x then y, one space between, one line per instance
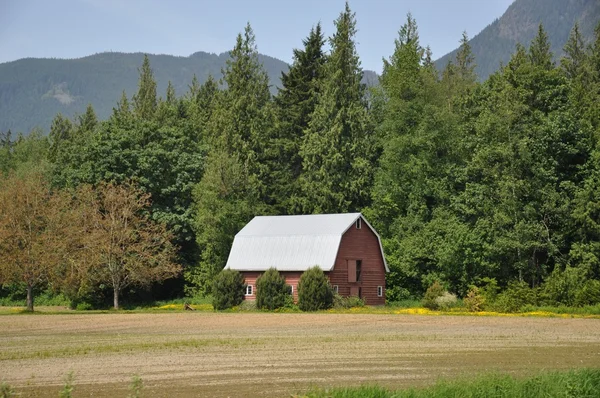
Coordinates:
232 189
336 150
539 50
145 102
295 104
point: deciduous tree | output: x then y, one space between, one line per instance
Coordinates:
127 248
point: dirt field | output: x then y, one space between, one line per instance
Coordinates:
254 354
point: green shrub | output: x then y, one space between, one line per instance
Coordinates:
588 293
474 300
247 306
83 306
446 301
289 302
271 290
515 297
314 291
340 302
397 293
433 292
228 289
489 289
408 303
562 286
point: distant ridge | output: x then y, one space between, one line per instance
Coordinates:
495 44
34 90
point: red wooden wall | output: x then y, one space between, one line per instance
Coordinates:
360 244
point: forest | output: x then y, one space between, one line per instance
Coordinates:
493 184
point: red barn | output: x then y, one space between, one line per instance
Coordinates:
345 246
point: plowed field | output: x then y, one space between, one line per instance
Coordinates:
256 354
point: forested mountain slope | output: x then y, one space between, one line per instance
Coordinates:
496 43
34 90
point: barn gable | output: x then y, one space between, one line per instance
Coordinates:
292 243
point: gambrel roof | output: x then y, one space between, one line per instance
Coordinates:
292 243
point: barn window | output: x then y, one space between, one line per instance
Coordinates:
379 291
335 288
358 269
358 223
248 291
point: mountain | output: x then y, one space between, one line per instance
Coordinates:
34 90
495 44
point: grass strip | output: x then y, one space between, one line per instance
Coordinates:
582 383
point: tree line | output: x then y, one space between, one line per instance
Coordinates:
468 183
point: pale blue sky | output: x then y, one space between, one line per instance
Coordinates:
76 28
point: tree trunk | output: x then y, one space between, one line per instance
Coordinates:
30 298
116 299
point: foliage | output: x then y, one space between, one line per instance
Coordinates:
44 87
562 286
336 150
340 302
430 299
516 296
470 183
474 301
574 383
238 133
588 293
228 289
314 291
271 290
124 247
32 219
446 301
295 103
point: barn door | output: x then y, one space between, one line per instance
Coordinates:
354 291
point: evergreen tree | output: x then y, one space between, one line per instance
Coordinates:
171 96
575 55
232 189
295 103
194 88
61 132
539 50
205 102
465 61
88 121
337 150
122 113
145 102
69 144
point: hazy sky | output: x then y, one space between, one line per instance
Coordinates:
76 28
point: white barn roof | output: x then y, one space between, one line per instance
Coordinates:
291 243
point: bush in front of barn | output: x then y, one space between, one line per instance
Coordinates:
271 290
314 291
343 303
228 289
438 298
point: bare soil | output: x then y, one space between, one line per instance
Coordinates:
256 354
